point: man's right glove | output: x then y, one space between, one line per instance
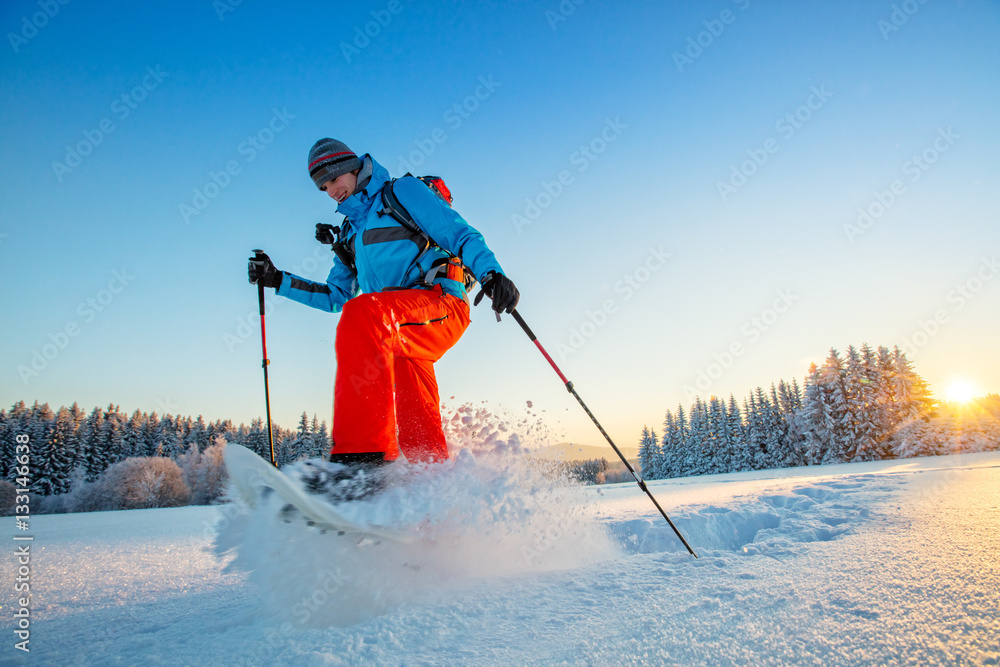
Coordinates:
501 290
263 272
326 234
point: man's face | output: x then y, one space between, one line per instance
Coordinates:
341 187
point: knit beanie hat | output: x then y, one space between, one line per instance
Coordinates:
328 159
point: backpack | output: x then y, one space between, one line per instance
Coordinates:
392 207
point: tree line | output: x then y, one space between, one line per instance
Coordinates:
68 444
868 405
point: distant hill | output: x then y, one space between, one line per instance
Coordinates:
568 451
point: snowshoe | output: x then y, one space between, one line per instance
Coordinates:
311 491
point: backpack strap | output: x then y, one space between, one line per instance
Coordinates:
344 249
392 207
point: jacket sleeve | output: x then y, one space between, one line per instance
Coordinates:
443 224
330 296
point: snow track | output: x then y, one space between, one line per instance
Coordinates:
768 525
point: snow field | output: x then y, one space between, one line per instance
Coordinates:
888 563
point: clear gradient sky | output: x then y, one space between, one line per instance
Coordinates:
713 158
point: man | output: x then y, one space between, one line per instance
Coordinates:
403 304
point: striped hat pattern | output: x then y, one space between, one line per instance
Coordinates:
328 159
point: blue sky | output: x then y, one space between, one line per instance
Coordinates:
831 101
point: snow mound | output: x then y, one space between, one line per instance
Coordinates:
476 517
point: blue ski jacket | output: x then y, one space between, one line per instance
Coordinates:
386 253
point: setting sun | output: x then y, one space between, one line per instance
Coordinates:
960 391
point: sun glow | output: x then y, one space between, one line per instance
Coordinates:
960 391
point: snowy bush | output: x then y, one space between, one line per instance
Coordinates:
618 474
148 482
205 472
135 483
951 429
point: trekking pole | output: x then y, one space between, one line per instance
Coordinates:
263 344
572 390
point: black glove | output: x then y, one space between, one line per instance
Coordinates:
263 272
501 290
326 234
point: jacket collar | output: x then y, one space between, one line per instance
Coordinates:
359 204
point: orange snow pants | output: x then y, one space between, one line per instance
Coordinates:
386 396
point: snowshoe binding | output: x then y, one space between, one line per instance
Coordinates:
338 482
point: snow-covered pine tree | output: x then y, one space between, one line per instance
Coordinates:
150 437
886 374
667 464
838 416
132 443
918 437
913 411
170 438
113 444
735 436
808 421
756 434
55 457
743 456
40 425
716 445
860 437
283 443
196 434
91 436
680 444
765 456
11 423
879 416
321 439
78 416
697 459
257 439
910 390
790 401
301 446
782 452
648 452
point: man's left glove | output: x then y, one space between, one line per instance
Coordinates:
501 290
263 272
